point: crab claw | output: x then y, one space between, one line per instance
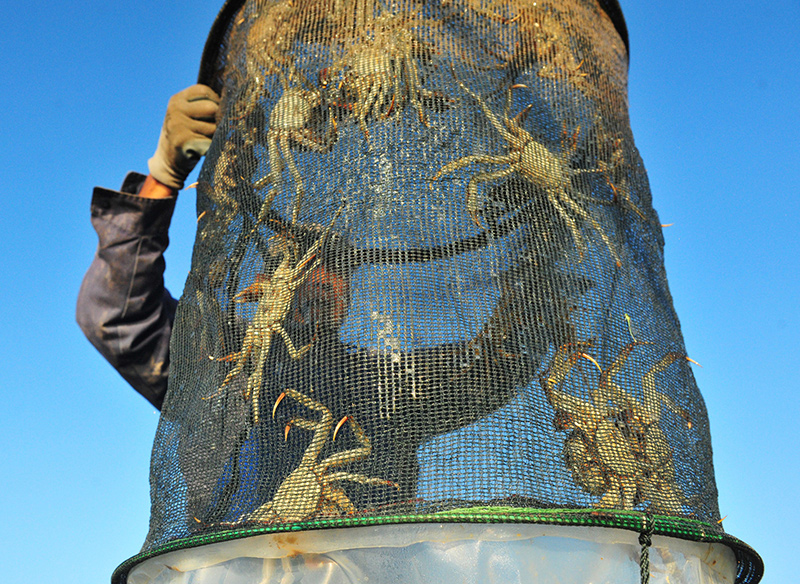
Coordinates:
277 401
476 219
254 291
592 359
473 204
324 76
391 107
520 118
338 426
693 361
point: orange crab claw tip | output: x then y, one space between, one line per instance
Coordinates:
723 519
592 359
474 216
201 215
693 361
192 186
277 401
667 224
519 86
339 425
286 432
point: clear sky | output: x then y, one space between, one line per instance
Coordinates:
715 108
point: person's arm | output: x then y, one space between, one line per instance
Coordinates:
123 307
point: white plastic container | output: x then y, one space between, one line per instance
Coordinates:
442 554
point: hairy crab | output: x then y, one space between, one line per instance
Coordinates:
615 448
310 490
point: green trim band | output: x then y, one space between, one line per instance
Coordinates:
750 564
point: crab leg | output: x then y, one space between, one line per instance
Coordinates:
466 161
654 398
272 178
361 452
472 190
508 136
583 214
300 188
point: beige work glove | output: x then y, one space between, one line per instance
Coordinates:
185 136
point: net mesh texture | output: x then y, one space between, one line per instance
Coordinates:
427 285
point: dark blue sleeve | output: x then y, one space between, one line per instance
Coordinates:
123 307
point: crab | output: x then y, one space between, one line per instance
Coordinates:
534 161
614 447
227 177
291 124
274 295
615 168
540 36
383 73
310 490
543 38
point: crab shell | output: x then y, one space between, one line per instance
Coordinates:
303 495
582 462
294 109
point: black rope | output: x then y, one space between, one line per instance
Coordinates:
646 540
359 256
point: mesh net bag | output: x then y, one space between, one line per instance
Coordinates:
427 284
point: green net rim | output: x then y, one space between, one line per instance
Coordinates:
750 566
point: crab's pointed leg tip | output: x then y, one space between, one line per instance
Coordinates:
192 186
338 426
693 361
519 86
278 401
592 359
286 432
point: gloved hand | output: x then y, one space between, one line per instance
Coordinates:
189 124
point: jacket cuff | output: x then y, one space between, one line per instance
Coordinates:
131 214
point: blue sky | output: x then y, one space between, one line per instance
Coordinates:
715 113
